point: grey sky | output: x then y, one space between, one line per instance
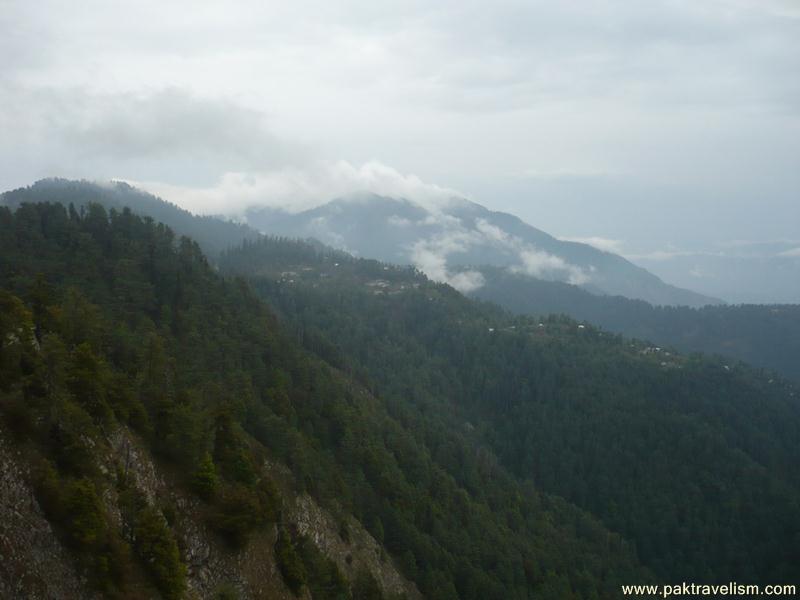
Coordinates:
659 125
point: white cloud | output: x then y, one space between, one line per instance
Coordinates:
534 262
541 264
793 252
494 233
466 281
300 188
398 221
319 229
697 272
601 243
430 257
645 121
167 135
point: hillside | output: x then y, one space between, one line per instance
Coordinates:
762 335
441 239
690 458
766 336
175 439
212 233
390 401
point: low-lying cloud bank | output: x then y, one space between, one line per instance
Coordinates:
431 255
601 243
442 234
299 188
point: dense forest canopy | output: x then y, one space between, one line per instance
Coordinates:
110 320
212 234
491 455
764 335
691 458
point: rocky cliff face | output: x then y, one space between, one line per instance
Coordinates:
212 565
35 565
357 553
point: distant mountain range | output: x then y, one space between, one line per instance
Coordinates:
213 234
454 241
763 335
751 272
357 430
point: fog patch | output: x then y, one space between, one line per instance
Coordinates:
397 221
533 261
299 188
605 244
430 257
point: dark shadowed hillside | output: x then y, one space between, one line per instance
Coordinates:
483 454
213 234
120 342
688 457
766 336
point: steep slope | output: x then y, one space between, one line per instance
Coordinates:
691 458
34 564
460 233
174 435
441 241
213 234
765 336
556 405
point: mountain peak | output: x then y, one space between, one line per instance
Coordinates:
446 238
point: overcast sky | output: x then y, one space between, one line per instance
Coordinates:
657 126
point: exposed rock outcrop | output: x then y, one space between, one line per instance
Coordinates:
33 564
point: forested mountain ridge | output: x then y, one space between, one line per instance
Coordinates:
112 326
691 458
763 335
502 407
458 233
213 234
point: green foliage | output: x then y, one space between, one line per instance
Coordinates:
214 234
290 564
689 457
204 480
48 488
236 514
87 381
200 364
75 508
156 547
365 587
766 336
324 579
83 514
231 452
16 333
422 414
71 438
